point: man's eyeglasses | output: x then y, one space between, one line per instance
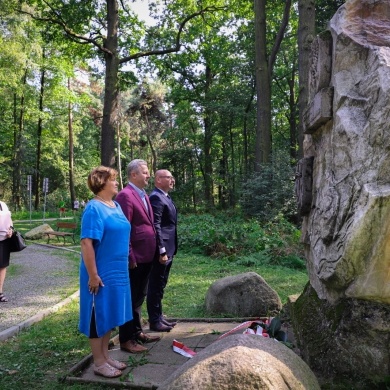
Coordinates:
168 177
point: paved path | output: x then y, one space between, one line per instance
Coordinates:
148 371
38 280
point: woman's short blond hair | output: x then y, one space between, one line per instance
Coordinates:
99 176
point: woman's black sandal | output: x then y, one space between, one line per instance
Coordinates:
3 298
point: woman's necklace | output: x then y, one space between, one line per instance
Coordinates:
108 203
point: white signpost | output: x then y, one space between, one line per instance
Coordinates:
45 190
29 187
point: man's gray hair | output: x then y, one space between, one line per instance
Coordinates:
134 166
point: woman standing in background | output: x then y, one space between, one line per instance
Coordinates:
5 232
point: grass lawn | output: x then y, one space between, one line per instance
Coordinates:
40 356
191 276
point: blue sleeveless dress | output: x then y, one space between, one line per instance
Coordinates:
110 231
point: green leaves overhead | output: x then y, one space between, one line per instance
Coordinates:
179 92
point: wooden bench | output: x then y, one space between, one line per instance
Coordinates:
63 225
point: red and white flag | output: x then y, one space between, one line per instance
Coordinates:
182 349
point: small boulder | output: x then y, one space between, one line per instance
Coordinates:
243 362
38 232
243 295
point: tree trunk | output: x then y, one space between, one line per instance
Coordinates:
119 165
111 86
245 131
263 72
18 150
71 152
292 116
306 33
208 136
154 154
222 187
263 88
232 186
39 141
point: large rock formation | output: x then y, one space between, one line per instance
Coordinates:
243 295
38 232
243 362
346 341
346 229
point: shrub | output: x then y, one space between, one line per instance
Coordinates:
234 235
269 192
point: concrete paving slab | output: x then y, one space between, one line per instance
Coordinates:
149 370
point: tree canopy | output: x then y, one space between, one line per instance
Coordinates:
88 82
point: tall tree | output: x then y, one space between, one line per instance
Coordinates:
98 24
39 135
71 150
265 62
208 83
148 105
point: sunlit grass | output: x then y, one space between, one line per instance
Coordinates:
191 276
42 355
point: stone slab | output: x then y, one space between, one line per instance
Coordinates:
151 369
319 111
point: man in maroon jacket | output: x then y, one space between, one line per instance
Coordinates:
143 245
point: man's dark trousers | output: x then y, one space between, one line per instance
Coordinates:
139 277
157 281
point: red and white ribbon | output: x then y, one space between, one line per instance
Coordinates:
251 327
245 324
182 349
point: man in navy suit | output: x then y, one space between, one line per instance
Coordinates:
143 249
165 223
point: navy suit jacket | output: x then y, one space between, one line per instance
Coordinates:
165 221
143 234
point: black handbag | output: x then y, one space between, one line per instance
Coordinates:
16 242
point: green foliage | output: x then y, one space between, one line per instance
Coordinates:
270 192
325 11
265 257
208 140
233 235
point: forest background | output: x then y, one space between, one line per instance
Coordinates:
211 90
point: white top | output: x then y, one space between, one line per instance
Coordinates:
5 221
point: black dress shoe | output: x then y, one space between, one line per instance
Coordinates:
160 327
145 338
171 324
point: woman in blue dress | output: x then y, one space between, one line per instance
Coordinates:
105 300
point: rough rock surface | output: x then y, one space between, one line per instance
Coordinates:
347 340
347 233
38 232
341 321
243 362
243 295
